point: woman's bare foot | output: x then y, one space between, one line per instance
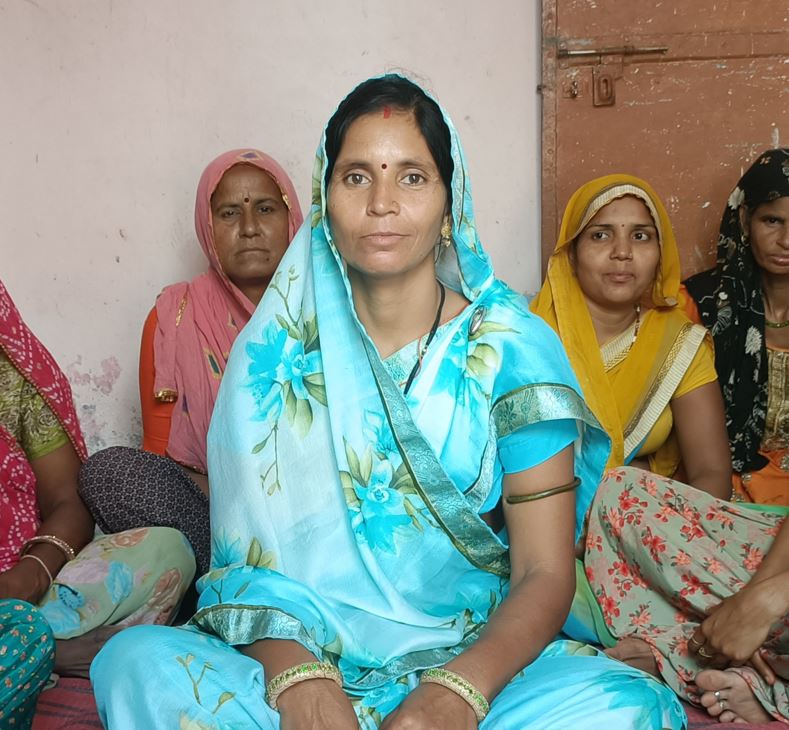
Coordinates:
727 696
635 652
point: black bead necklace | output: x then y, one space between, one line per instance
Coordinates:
429 339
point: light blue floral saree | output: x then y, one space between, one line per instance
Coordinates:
346 516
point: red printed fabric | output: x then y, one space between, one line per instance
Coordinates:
19 518
660 555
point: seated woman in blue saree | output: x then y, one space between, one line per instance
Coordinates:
388 394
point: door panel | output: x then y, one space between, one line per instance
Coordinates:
684 98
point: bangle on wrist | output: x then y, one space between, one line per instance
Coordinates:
460 686
54 540
42 564
300 673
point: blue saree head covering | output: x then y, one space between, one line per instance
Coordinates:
345 515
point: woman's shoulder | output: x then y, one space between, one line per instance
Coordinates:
175 297
171 304
701 276
172 294
687 304
700 285
529 350
508 305
679 321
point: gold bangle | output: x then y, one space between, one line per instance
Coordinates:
54 540
519 498
300 673
42 564
460 686
166 396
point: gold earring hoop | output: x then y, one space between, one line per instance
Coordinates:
446 233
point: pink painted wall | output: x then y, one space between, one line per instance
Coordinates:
112 109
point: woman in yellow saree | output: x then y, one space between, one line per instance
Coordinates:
673 581
646 371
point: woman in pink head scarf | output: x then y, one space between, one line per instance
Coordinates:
246 214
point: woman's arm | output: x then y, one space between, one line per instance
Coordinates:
156 416
687 304
317 703
542 582
63 514
700 424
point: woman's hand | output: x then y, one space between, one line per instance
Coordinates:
26 581
432 707
317 703
736 629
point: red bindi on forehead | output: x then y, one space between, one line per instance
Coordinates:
384 166
387 112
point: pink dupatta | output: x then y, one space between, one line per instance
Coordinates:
19 516
199 320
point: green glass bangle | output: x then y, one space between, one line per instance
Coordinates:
520 498
300 673
461 687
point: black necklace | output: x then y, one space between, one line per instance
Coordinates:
429 339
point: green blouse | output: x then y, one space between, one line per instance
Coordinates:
26 415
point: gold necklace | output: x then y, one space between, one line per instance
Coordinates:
638 324
776 325
616 350
770 323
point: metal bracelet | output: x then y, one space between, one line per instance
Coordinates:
460 686
300 673
42 564
520 498
53 540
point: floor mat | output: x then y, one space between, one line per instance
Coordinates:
67 706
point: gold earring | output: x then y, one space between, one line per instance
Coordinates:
446 233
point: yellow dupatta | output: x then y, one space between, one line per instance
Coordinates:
663 350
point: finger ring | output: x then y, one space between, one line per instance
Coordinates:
693 640
704 653
722 703
717 694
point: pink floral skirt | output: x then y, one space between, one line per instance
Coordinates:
660 555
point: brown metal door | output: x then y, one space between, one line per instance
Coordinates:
682 94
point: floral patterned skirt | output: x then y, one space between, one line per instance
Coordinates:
178 677
27 653
660 555
133 577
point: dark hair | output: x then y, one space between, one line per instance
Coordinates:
399 93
